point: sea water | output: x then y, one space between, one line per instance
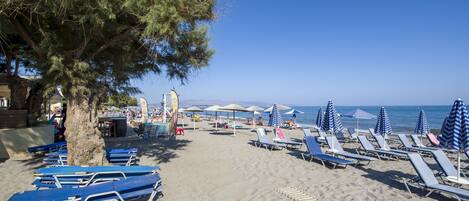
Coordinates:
403 118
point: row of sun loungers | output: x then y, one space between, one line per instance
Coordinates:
92 183
425 178
125 157
125 189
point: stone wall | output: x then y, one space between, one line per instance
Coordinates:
13 118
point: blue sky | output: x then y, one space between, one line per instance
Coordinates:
306 52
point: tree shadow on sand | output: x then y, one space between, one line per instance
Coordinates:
395 179
160 150
34 163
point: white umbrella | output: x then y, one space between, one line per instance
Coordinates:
279 107
255 110
216 109
193 109
235 108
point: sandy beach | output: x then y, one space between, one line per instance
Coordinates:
203 165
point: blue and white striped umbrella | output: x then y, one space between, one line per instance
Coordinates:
276 117
331 120
319 118
422 124
383 125
456 130
455 134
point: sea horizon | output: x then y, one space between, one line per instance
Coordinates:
403 117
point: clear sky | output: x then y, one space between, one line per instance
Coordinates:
305 52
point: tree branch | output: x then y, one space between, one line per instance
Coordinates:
110 42
25 36
83 45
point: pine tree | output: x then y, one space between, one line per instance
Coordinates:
94 47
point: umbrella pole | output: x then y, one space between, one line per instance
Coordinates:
193 119
253 121
357 126
459 165
183 121
234 124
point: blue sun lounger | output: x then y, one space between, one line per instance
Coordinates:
315 152
78 176
337 149
428 181
131 188
48 147
448 169
383 145
125 157
370 149
419 143
407 145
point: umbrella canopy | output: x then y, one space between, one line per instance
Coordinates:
331 120
455 134
422 124
383 125
279 107
456 130
294 111
359 114
276 117
319 118
193 109
254 108
213 108
181 110
234 107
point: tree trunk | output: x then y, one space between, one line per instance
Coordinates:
34 102
84 142
19 89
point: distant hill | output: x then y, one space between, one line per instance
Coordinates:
204 102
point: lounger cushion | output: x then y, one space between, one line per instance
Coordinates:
127 188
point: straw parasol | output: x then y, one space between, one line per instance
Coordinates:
234 108
193 109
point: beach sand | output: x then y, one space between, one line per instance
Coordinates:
202 165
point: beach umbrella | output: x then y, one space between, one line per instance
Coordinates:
279 107
359 114
276 117
193 109
319 118
234 108
422 124
216 109
383 125
294 111
445 121
331 121
456 131
255 111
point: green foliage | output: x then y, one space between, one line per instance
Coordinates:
121 100
97 46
